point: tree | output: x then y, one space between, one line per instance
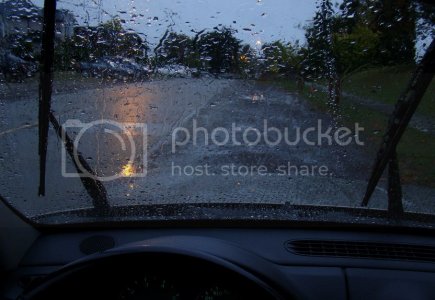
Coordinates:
321 58
175 48
355 49
276 57
219 50
281 57
394 21
22 45
285 59
248 62
107 39
110 39
65 55
340 44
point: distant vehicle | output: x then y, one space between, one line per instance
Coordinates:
94 68
15 68
114 67
133 68
176 71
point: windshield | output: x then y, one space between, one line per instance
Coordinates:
256 109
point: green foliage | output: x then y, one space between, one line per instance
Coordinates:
386 84
248 62
215 51
394 21
355 49
220 50
414 157
65 55
108 39
175 49
364 32
320 60
282 58
22 45
114 25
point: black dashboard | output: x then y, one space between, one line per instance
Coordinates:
226 263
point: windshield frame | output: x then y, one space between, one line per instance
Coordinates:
365 212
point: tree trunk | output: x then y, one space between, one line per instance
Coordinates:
331 90
337 92
334 91
301 84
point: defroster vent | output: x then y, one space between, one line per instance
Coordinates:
354 249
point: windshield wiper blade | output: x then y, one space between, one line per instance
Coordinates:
395 205
399 120
45 86
93 186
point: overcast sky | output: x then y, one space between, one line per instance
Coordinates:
257 21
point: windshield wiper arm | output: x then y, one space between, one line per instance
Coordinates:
93 186
399 120
45 86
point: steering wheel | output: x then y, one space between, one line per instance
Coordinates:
169 268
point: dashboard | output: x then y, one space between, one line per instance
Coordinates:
224 263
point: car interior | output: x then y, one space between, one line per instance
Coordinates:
215 261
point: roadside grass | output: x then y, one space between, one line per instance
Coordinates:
72 77
67 75
416 150
386 85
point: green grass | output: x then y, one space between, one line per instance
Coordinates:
386 85
416 149
72 77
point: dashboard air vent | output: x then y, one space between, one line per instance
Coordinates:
353 249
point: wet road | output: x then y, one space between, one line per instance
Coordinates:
195 170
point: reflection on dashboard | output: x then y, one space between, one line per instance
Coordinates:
150 287
155 287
